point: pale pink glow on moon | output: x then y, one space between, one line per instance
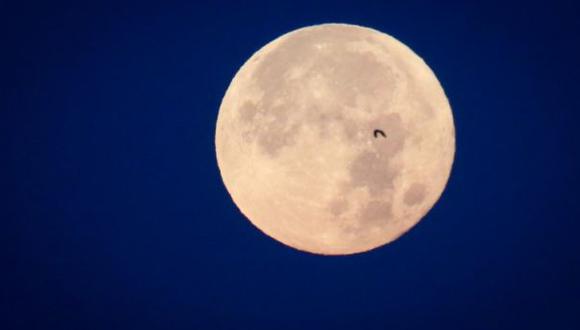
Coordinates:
297 148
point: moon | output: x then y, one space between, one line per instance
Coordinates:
335 139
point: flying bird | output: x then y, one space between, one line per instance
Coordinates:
379 132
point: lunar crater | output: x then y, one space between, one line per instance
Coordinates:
415 194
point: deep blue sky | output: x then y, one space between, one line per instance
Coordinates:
114 215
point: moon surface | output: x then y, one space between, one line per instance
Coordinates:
335 139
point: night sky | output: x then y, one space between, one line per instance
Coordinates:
114 215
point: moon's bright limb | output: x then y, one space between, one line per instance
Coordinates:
299 143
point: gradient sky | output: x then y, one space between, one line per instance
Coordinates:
114 215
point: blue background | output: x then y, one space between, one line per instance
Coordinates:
114 215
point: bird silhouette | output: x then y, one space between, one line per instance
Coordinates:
378 132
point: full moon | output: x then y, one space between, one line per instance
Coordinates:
335 139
